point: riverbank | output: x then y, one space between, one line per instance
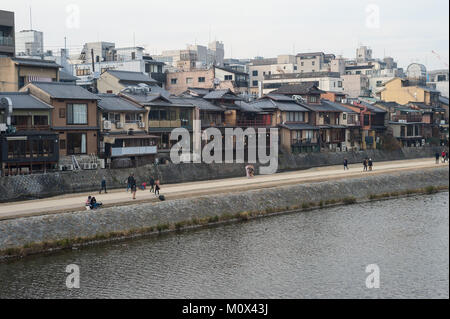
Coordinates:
23 236
16 188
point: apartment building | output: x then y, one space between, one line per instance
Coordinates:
7 36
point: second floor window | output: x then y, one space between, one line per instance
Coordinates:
189 80
228 78
173 81
201 79
77 114
255 73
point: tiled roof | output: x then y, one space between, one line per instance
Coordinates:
114 103
36 62
25 101
60 90
132 77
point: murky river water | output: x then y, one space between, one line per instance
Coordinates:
318 254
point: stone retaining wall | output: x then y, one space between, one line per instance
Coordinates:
15 188
89 224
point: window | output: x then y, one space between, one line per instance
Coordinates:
40 120
340 84
295 68
77 114
201 80
62 113
302 64
294 117
255 73
173 81
313 99
228 78
344 116
189 80
133 55
313 62
83 72
153 115
76 144
264 73
172 115
255 83
131 118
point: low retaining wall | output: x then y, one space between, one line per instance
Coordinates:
22 232
15 188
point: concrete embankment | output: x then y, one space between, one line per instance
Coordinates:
40 233
15 188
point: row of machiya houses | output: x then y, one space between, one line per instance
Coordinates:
54 125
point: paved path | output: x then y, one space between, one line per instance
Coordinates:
75 202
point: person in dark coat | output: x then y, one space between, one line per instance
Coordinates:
365 164
437 157
132 184
346 164
152 185
370 164
103 186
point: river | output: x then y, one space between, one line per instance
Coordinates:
317 254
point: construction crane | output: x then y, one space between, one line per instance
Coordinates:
439 57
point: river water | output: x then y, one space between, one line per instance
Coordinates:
317 254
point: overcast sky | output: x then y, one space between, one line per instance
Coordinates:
408 30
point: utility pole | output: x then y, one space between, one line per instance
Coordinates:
31 20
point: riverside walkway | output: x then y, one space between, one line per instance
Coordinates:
75 202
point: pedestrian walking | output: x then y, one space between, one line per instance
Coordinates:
437 157
132 185
370 164
152 185
365 163
157 187
103 185
346 164
446 156
443 156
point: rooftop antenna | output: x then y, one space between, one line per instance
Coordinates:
134 39
31 20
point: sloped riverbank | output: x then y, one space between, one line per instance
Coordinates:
45 233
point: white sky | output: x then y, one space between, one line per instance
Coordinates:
408 29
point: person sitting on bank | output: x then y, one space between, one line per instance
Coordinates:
94 204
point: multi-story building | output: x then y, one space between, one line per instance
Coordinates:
74 115
326 81
113 81
30 43
216 77
99 57
439 80
27 145
403 92
199 56
123 131
7 41
18 72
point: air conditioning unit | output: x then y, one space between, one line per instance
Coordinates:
3 127
94 166
141 125
69 167
107 125
87 166
119 125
